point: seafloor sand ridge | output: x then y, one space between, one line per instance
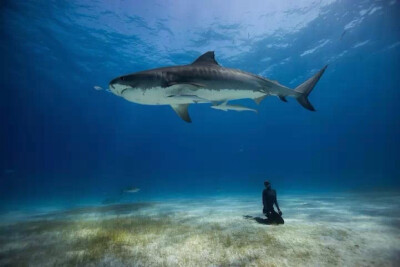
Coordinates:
329 230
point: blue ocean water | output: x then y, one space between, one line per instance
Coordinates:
62 141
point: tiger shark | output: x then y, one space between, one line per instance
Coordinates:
204 81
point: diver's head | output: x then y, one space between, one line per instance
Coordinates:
267 184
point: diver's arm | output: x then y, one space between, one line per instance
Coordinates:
277 205
264 200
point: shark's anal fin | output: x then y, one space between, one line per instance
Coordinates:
182 111
283 98
259 99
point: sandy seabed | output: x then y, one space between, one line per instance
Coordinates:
325 230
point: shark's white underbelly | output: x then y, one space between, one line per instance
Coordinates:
166 96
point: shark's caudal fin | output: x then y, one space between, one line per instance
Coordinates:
305 89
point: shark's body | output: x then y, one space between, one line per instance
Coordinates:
203 81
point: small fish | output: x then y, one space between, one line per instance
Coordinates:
98 88
343 33
225 107
131 190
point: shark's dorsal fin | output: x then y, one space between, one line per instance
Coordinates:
182 111
206 58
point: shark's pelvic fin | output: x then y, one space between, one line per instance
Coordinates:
207 58
283 98
259 99
182 111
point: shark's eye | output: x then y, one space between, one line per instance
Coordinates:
122 78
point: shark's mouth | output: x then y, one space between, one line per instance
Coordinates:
122 91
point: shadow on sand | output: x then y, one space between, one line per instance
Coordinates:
259 220
114 209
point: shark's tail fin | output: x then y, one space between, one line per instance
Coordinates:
305 89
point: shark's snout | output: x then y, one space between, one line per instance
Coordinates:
115 86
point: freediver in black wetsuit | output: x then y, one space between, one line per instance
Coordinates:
269 199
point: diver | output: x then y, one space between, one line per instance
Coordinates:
269 199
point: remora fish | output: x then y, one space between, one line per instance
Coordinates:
225 107
204 81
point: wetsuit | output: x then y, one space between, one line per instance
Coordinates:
269 199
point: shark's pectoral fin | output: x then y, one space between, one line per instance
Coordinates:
283 98
197 85
259 99
182 111
190 85
219 103
193 98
